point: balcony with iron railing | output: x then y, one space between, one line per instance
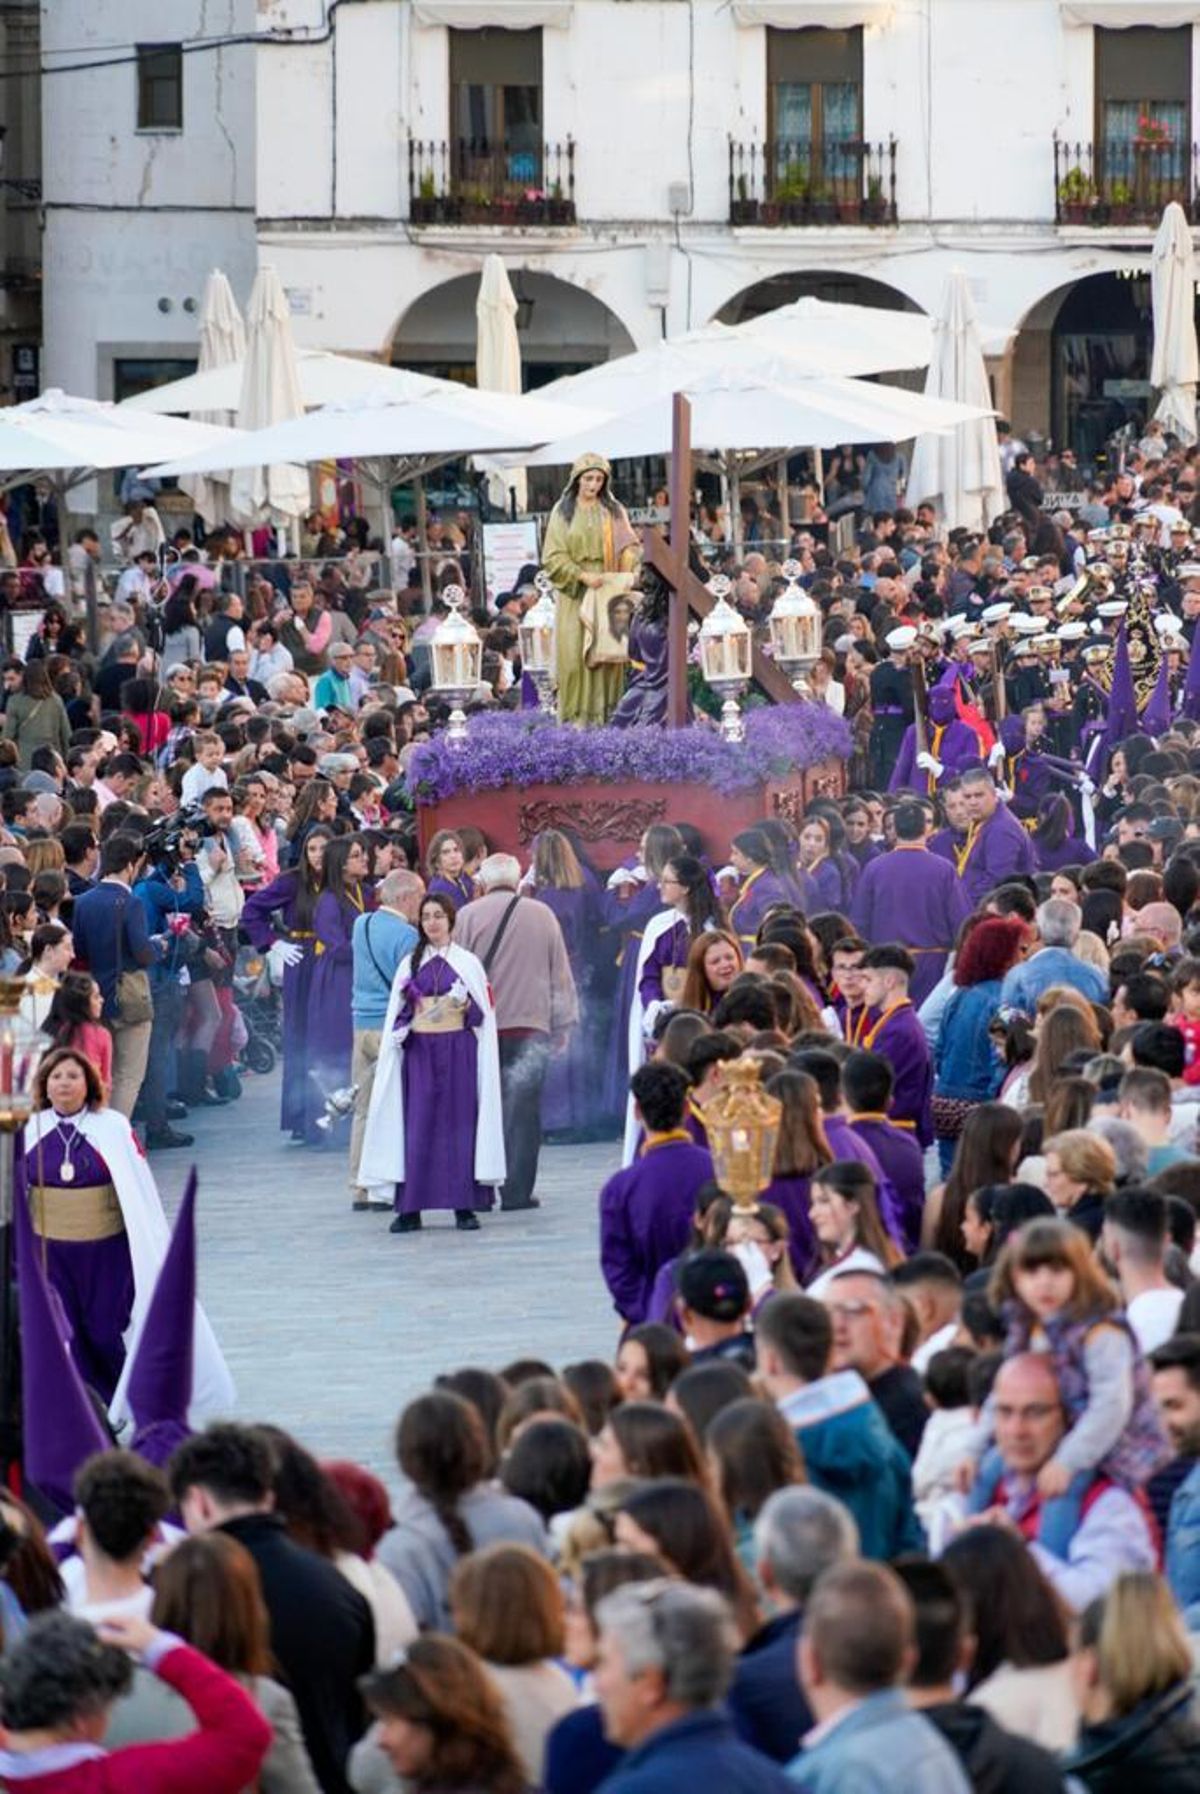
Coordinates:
789 181
469 180
1125 182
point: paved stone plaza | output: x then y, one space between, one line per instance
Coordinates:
330 1324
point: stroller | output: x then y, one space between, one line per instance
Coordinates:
258 1005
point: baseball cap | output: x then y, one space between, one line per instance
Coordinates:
712 1283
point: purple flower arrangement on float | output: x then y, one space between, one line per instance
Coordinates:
529 748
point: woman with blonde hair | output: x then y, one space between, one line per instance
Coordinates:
1133 1676
1081 1171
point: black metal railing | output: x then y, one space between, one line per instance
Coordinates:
476 180
801 181
1127 182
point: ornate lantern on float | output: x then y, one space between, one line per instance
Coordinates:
742 1124
537 632
796 630
457 655
725 656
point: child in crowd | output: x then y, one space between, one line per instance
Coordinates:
948 1431
1055 1298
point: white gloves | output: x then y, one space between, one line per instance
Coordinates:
927 763
1086 785
996 757
622 876
459 993
282 954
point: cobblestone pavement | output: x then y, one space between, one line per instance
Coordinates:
331 1324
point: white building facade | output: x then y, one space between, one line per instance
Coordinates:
642 166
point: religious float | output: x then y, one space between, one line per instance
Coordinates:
517 772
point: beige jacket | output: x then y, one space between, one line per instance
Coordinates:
530 976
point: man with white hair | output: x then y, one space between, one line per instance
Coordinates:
519 943
1058 925
664 1664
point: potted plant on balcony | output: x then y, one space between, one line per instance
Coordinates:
1120 203
424 204
875 205
744 209
791 194
561 210
822 207
531 207
476 204
1076 196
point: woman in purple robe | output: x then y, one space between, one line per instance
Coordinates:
817 859
444 868
801 1150
344 897
768 881
628 904
77 1219
292 900
686 889
439 1023
569 1095
1055 842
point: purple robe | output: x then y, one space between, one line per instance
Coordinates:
645 1217
92 1279
1071 852
645 699
791 1195
913 897
1002 850
631 919
846 1144
761 891
669 952
900 1039
438 1075
330 1023
570 1100
831 885
957 746
279 898
904 1162
863 852
460 890
947 843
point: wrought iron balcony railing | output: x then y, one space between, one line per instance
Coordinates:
790 180
477 180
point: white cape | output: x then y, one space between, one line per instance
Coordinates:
149 1235
383 1160
656 927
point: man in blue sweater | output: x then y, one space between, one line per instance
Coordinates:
111 937
665 1662
382 940
848 1447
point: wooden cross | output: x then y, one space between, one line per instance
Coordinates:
689 594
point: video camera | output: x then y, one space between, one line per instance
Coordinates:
163 842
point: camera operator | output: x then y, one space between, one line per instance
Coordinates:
172 894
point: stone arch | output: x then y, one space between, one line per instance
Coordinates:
844 288
562 328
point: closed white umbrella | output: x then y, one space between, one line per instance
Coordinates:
279 492
222 339
1173 292
959 470
498 358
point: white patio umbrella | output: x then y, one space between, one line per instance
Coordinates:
429 427
1173 368
222 339
856 339
498 359
959 470
325 379
736 413
73 438
277 492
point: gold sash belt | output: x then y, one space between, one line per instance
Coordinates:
438 1015
91 1212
